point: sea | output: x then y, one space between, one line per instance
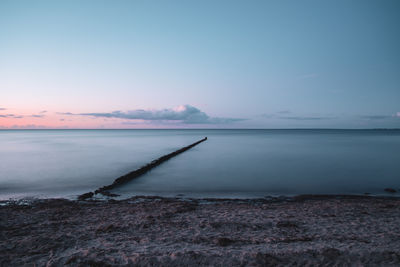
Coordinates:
230 164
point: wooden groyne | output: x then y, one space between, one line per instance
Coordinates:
135 174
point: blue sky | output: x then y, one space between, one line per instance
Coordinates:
234 64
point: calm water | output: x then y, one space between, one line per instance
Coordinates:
231 163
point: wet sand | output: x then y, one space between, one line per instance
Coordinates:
330 230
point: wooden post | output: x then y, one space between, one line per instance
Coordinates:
135 174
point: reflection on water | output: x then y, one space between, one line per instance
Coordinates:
233 163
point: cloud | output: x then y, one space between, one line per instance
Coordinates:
11 116
2 108
283 115
132 123
284 112
381 117
43 111
287 115
14 116
186 114
376 117
28 126
301 118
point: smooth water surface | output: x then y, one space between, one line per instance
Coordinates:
231 163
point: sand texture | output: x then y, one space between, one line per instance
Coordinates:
152 231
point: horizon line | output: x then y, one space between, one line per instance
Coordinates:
108 129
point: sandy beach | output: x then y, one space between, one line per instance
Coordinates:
324 230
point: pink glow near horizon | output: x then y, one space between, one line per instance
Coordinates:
184 116
26 119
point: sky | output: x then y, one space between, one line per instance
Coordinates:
199 64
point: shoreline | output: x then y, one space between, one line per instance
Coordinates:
181 197
152 230
26 200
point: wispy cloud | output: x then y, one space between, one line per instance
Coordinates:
28 126
37 116
284 115
2 108
301 118
381 117
186 114
11 116
15 116
376 117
